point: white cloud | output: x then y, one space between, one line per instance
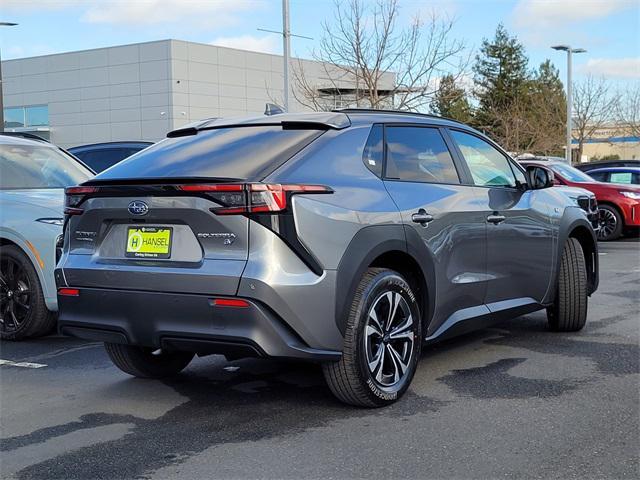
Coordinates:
22 6
537 13
266 44
546 22
198 13
612 67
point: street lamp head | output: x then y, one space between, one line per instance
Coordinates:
7 24
579 50
561 47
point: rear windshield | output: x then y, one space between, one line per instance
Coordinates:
33 166
244 153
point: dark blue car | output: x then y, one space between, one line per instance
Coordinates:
622 175
100 156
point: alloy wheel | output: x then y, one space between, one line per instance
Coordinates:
15 295
389 338
608 224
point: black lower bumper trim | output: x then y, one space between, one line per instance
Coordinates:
182 322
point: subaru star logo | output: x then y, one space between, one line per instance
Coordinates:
138 207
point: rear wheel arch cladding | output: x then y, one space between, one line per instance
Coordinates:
366 246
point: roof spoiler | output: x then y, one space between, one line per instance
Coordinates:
288 121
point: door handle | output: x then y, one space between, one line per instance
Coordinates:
422 217
495 218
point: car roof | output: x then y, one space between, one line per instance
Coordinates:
615 169
98 146
541 162
334 120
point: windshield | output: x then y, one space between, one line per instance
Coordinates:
570 173
35 166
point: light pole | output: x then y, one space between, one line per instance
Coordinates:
569 51
286 49
3 24
286 45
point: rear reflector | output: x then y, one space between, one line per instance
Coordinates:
73 211
229 302
69 292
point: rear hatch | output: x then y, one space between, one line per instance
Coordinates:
163 219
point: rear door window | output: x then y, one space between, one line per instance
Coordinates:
621 177
419 154
241 153
374 150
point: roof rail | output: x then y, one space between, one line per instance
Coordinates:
394 112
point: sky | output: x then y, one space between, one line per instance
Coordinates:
608 29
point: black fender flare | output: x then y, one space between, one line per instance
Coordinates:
368 244
573 218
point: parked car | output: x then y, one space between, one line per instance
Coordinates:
618 205
33 174
348 238
586 200
586 167
100 156
620 175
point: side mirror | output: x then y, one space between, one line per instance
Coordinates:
539 177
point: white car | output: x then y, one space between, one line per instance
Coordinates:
33 175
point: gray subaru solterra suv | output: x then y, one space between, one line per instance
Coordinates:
349 238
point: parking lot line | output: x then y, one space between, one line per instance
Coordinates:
22 364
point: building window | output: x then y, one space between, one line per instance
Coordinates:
14 117
29 116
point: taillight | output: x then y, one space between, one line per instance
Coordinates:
238 199
74 196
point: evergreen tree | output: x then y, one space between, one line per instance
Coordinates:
547 109
451 101
500 76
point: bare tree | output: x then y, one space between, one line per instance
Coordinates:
627 110
366 59
593 108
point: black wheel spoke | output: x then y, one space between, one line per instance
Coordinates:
21 303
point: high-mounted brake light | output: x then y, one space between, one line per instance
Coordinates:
246 198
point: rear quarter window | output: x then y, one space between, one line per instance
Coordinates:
243 153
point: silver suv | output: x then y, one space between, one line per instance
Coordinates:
348 238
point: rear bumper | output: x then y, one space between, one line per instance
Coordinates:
182 322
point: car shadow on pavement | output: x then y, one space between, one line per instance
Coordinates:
251 400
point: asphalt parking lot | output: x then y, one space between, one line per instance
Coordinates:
512 401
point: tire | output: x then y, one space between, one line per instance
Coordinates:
569 311
611 223
375 369
23 312
145 363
